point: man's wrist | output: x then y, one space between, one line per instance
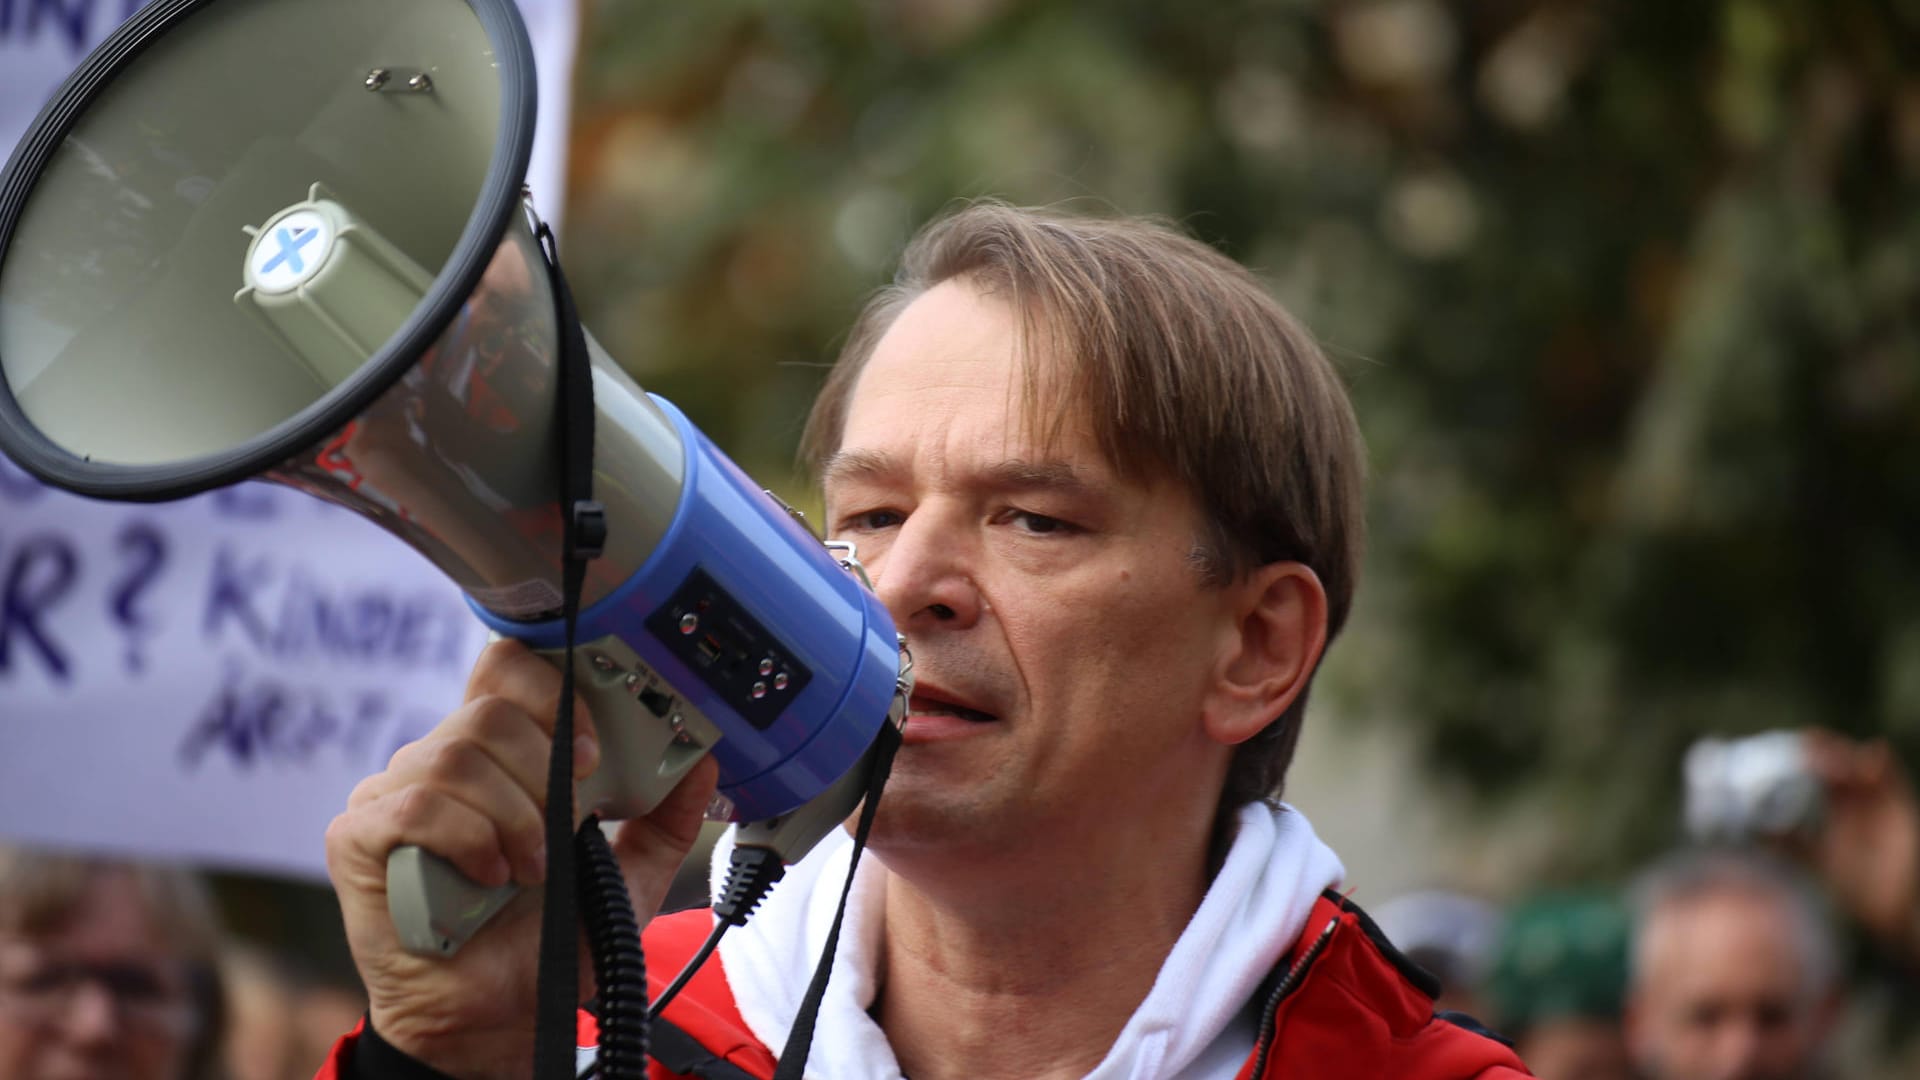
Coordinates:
374 1058
456 1051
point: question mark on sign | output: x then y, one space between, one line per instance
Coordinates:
148 550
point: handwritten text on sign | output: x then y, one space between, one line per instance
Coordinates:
252 641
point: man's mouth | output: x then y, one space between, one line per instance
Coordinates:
921 705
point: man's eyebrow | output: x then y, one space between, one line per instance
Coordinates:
845 465
1015 474
1021 475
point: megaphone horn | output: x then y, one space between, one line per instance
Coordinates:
286 239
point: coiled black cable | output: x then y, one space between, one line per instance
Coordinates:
619 965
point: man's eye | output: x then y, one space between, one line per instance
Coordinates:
1038 524
46 979
133 983
869 520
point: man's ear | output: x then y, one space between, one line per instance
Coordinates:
1269 654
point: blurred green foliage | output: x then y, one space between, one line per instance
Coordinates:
1625 292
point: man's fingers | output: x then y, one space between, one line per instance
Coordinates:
508 669
677 819
502 730
434 820
651 848
1850 769
465 772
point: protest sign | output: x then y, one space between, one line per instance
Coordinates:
208 679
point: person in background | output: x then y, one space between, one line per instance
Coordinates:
1733 973
1559 973
108 969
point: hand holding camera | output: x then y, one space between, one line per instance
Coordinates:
1844 809
1868 851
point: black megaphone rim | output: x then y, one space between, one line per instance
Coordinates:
499 200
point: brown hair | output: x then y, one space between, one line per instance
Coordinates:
41 891
1186 367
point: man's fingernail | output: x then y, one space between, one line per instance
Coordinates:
586 755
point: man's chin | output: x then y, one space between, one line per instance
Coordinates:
920 811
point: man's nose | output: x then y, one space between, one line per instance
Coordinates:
1740 1052
94 1014
926 575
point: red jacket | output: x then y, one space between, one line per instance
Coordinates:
1344 1005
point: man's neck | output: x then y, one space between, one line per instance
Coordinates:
1035 980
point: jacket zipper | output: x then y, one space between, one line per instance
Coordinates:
1269 1016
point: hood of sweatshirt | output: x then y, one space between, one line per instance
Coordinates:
1196 1023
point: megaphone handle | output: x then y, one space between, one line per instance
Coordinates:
650 738
435 907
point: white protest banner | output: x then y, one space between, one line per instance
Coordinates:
206 680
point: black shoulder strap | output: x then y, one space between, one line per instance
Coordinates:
583 526
793 1059
681 1053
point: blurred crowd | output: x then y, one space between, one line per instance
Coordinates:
121 971
1784 942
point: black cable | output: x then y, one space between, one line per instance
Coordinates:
750 874
619 964
687 971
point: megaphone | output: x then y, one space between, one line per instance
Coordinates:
287 239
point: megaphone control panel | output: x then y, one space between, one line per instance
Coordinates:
728 649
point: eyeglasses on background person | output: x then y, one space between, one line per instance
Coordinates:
107 968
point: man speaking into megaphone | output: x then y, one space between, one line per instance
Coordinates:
1095 508
1110 493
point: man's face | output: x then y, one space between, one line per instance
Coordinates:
102 998
1721 992
1064 643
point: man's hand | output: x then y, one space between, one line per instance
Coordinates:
473 792
1868 849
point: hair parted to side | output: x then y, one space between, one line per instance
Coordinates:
1186 367
40 891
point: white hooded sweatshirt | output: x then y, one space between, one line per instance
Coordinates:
1198 1021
